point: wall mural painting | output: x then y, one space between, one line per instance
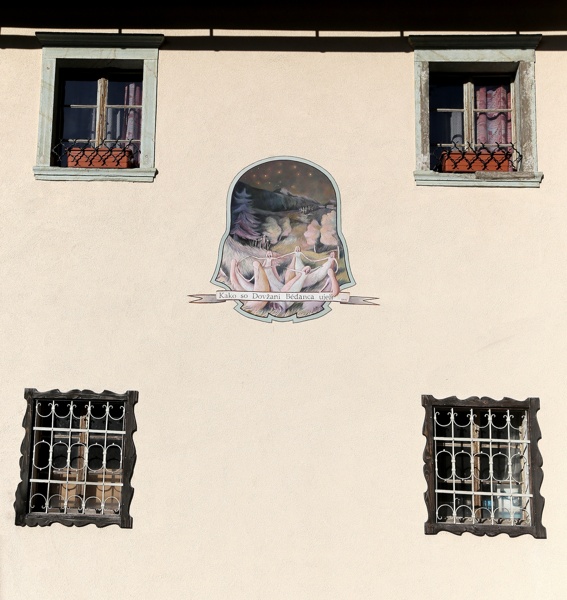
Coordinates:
283 256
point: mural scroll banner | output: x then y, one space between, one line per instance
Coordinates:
222 296
283 256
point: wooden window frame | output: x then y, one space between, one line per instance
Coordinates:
21 505
470 154
98 150
530 406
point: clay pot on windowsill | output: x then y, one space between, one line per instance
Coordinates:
99 158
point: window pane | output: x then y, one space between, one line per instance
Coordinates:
492 95
125 92
447 128
493 126
123 124
79 91
79 123
445 93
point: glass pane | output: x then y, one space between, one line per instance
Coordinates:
123 124
445 94
59 455
462 420
113 457
492 95
78 452
445 507
482 463
79 92
125 92
482 423
463 465
443 423
444 464
493 126
98 416
79 123
509 507
95 457
500 466
518 425
499 425
519 464
116 417
446 128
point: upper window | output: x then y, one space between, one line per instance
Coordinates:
483 466
476 110
98 107
77 458
471 124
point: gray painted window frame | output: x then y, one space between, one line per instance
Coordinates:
58 47
517 51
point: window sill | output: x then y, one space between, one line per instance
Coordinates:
78 174
537 532
479 179
45 520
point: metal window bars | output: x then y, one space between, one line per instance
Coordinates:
468 158
482 466
77 457
87 153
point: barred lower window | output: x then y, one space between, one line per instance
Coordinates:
77 458
483 466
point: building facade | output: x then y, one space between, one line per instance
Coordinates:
282 308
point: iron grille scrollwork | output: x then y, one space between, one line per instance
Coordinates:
482 466
111 154
77 459
469 158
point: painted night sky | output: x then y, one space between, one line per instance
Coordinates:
297 177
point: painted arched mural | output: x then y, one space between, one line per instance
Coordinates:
283 247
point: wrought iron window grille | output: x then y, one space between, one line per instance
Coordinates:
469 158
77 459
482 466
110 154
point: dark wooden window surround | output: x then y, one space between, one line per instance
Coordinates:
483 466
77 459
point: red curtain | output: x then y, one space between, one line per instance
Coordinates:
494 126
132 125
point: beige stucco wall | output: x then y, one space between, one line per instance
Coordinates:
281 461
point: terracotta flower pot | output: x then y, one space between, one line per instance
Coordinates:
99 158
467 162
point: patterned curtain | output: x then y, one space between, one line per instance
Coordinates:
493 127
132 125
